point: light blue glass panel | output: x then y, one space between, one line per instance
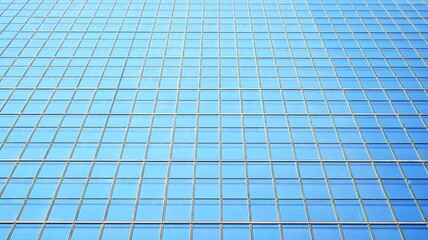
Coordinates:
86 231
149 231
263 210
4 230
92 210
152 188
178 210
35 210
149 210
171 232
25 231
116 231
56 231
121 210
206 232
63 209
10 208
235 210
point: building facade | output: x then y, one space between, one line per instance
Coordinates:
210 120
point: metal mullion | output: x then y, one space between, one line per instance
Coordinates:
365 144
299 178
102 227
247 183
332 199
152 119
50 100
405 92
102 134
198 105
179 77
411 23
388 200
220 180
60 180
347 102
198 114
329 114
241 115
304 95
389 101
126 131
304 199
406 180
156 89
360 200
22 151
273 180
140 179
136 93
65 112
24 201
15 88
160 80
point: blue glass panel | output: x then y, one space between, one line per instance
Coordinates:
415 231
326 232
386 232
171 232
64 209
406 210
206 232
292 210
296 231
266 232
320 210
349 210
378 210
116 231
351 232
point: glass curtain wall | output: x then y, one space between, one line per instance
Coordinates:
213 120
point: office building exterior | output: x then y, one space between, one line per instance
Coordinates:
209 120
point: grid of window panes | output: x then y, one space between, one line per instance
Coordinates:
232 120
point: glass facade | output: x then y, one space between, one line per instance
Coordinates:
210 120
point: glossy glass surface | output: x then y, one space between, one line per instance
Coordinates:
210 120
